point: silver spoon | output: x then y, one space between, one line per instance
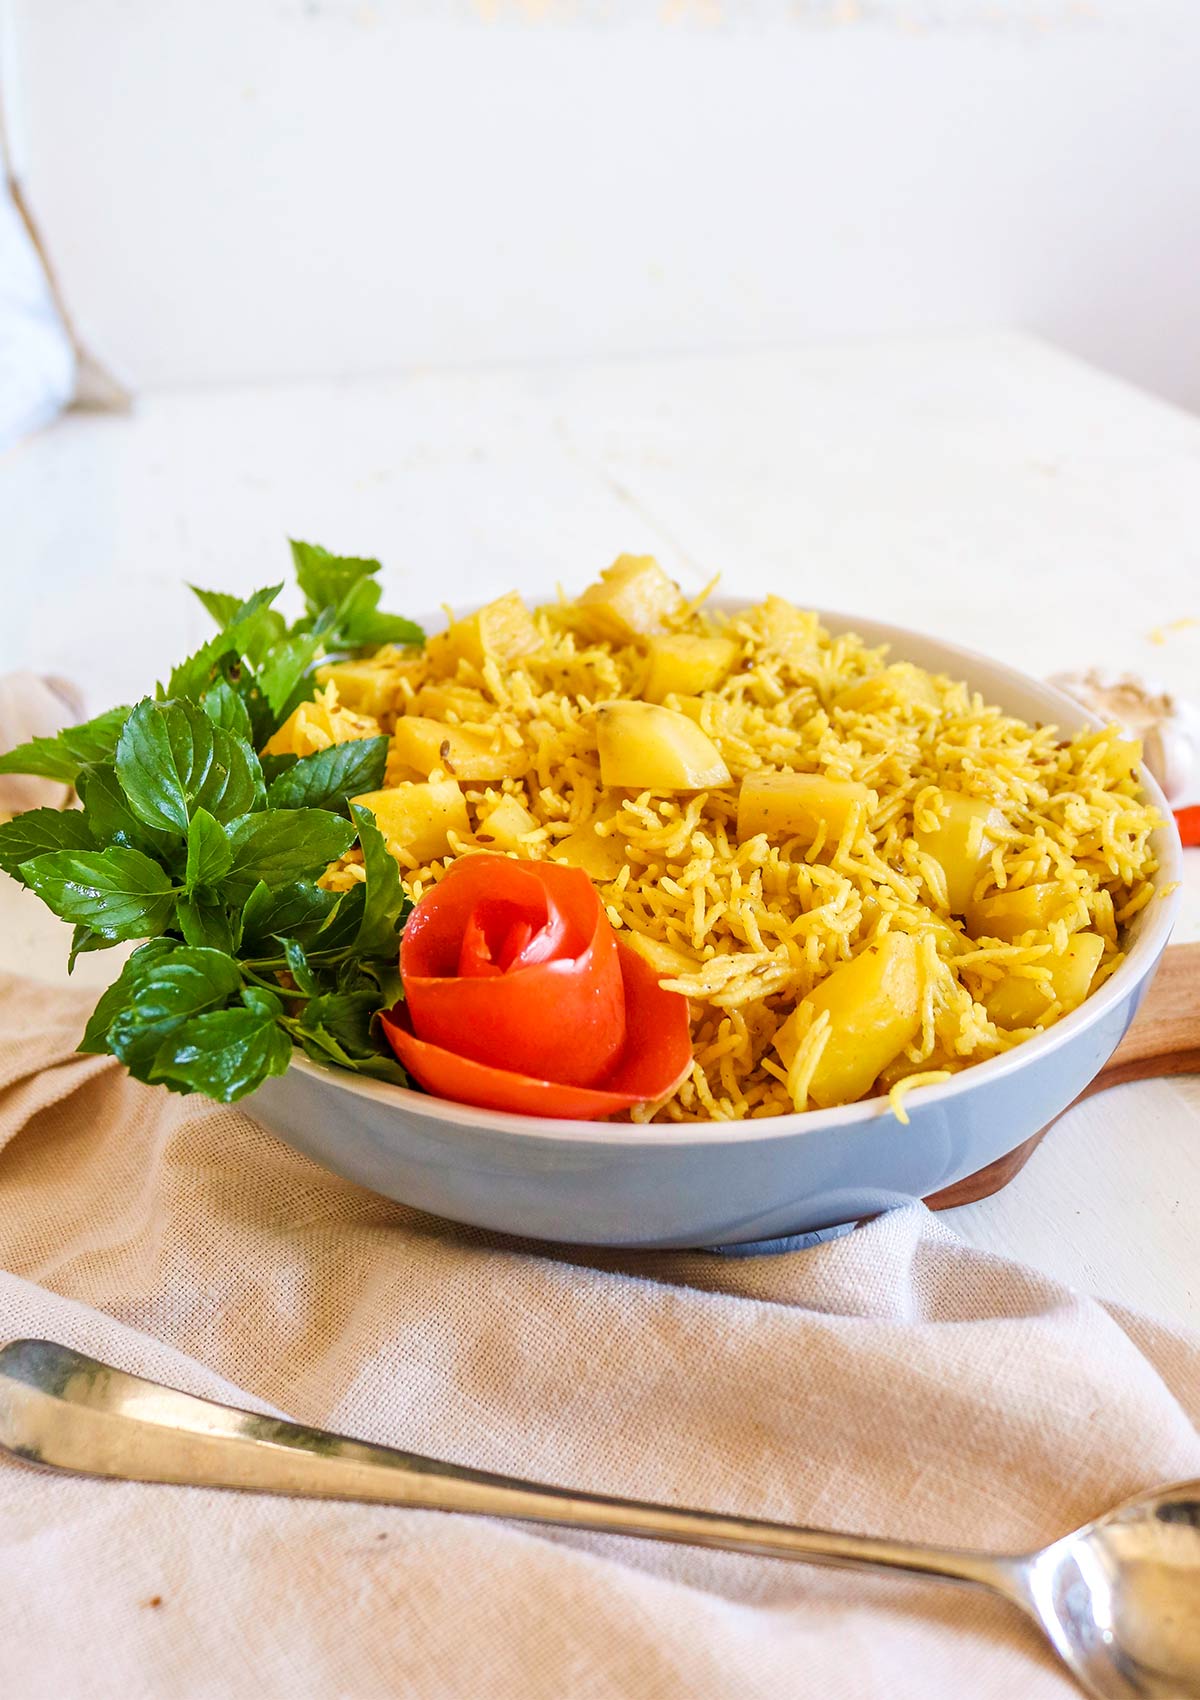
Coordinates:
1119 1600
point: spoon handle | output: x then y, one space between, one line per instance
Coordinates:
68 1412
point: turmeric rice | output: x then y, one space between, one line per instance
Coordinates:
977 870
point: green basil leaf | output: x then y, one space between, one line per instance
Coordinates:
120 894
386 903
323 1047
328 779
171 760
225 1053
167 993
224 707
121 994
206 921
209 852
325 578
262 1002
297 908
38 831
107 812
62 756
277 845
284 667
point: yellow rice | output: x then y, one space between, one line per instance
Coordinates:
756 925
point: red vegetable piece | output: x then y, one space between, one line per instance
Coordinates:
1188 821
514 966
656 1057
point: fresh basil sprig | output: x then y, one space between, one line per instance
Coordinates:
189 840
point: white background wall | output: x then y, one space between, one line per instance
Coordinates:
278 188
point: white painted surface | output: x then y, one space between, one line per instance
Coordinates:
259 189
987 489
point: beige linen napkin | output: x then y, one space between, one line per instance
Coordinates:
893 1381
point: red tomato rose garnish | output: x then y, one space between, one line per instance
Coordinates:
1188 821
518 996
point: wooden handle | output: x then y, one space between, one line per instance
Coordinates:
1165 1036
1164 1039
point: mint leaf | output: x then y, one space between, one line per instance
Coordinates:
386 903
225 1053
277 845
224 707
206 921
121 994
297 908
328 779
62 756
111 820
119 894
302 974
245 629
342 925
171 760
359 624
325 578
209 852
285 665
167 992
317 1042
83 940
38 831
219 603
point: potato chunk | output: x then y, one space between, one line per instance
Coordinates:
1018 1002
419 817
500 631
874 1009
315 725
797 805
1007 914
629 601
899 686
960 848
600 858
685 666
644 747
368 687
505 824
425 744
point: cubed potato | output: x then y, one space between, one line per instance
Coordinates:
600 858
439 702
505 824
1017 1002
418 818
797 805
629 601
961 848
316 725
644 747
667 962
684 666
892 687
874 1009
502 630
469 756
1007 914
371 686
785 626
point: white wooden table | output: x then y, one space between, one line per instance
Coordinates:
988 489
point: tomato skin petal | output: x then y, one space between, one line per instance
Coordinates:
563 1017
656 1058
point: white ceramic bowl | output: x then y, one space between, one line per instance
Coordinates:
724 1183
